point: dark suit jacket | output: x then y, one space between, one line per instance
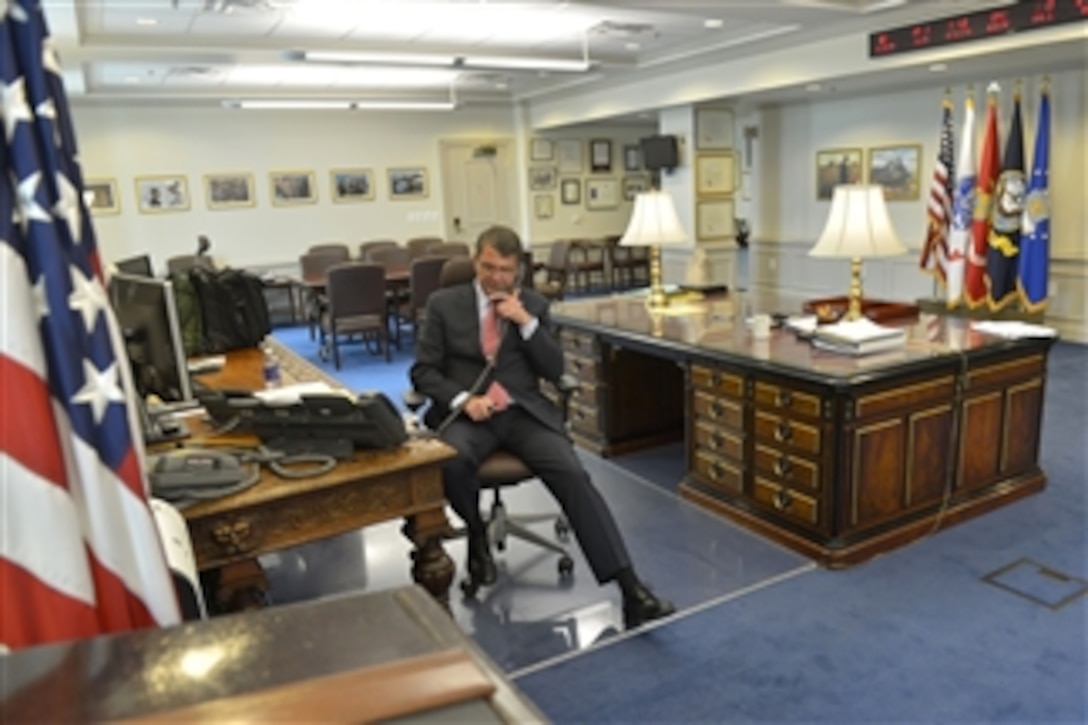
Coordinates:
449 357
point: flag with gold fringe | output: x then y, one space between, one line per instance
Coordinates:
1035 233
974 282
1002 256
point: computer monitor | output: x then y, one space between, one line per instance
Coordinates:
139 266
147 313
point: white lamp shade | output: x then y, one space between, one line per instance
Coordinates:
858 225
654 222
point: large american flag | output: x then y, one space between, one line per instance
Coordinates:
79 552
939 208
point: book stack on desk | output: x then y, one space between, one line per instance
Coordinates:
858 337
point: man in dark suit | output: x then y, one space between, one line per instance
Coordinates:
501 405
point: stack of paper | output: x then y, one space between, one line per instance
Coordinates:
1014 329
858 337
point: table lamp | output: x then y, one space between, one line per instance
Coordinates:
858 227
654 224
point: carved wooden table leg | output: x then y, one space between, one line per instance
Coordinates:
432 567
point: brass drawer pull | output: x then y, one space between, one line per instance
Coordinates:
784 399
716 441
782 500
716 409
577 365
715 471
715 379
783 466
783 432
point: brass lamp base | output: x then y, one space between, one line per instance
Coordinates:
658 298
853 308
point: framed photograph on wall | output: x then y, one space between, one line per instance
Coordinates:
714 219
228 191
542 178
569 151
350 185
408 183
600 155
634 185
570 191
632 158
715 173
834 167
602 194
713 129
896 168
541 149
160 194
291 188
100 196
544 206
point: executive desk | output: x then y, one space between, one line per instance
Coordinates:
837 457
359 658
277 513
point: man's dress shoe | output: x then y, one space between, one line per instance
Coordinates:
642 606
481 565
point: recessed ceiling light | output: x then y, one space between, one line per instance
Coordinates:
146 21
713 23
813 87
938 67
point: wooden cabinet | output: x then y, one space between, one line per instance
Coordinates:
717 452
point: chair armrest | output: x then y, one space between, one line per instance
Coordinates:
413 399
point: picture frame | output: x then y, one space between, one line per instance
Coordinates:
542 178
570 191
229 190
162 194
632 157
569 155
408 182
602 194
292 188
837 166
544 206
600 155
714 219
541 149
713 129
715 173
898 169
100 196
633 185
348 186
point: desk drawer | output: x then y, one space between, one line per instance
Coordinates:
782 430
719 410
585 419
787 400
719 441
583 368
716 381
791 470
579 343
587 395
719 472
787 501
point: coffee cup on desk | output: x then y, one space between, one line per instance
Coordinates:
761 326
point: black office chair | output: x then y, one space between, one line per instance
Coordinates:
501 469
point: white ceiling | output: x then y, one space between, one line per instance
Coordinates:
204 52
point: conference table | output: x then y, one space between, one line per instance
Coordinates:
229 533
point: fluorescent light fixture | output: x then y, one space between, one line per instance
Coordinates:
526 63
404 105
284 103
336 56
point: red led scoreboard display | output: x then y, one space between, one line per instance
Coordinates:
1016 18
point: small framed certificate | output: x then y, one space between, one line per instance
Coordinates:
715 173
714 219
713 129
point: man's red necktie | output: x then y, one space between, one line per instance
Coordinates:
489 341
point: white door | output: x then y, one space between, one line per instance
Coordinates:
477 183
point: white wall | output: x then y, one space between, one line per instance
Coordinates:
123 143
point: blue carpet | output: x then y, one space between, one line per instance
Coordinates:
912 636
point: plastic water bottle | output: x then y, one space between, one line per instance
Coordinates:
271 368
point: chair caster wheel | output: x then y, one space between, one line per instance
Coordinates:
566 567
562 530
469 588
500 545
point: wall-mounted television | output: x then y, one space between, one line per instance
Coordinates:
148 316
660 152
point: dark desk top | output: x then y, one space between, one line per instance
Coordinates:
714 329
159 671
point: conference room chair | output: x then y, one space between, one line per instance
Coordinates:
313 267
502 469
342 251
418 246
449 249
356 306
184 262
424 278
556 270
366 247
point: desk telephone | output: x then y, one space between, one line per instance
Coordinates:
333 425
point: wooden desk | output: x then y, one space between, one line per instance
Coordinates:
361 658
275 514
838 457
